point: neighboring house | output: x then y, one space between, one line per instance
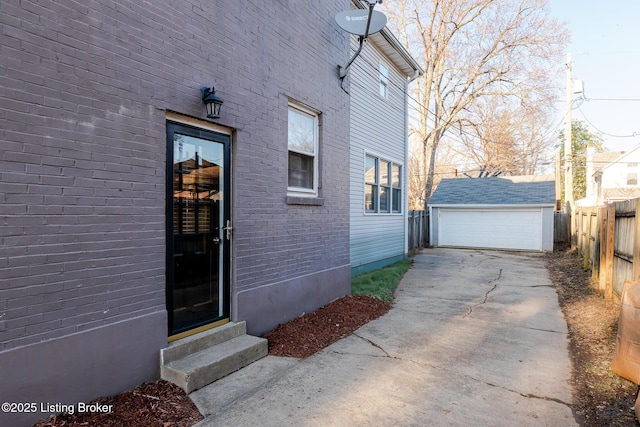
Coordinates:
611 176
128 217
514 212
379 163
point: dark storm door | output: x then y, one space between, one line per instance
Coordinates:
198 227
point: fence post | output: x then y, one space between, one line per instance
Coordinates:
603 249
636 244
586 236
410 218
427 237
424 220
411 230
611 223
597 244
576 218
571 215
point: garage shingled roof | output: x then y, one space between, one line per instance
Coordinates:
511 190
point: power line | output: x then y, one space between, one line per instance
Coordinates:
372 71
606 99
633 135
614 99
451 134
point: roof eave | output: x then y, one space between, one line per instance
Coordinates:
393 49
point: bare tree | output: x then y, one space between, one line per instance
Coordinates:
506 138
473 49
448 157
489 140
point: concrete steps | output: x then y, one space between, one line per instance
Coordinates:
196 361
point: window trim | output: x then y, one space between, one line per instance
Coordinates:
315 115
375 183
378 185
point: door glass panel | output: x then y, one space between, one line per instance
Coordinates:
198 206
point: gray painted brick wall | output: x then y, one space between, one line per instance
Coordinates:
84 88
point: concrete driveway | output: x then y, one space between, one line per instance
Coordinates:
474 338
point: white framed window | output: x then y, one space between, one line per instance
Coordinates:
384 81
396 188
302 138
371 184
382 186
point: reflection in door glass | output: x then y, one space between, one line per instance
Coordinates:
197 231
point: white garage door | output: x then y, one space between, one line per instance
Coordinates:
491 228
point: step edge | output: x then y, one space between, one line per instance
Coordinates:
201 341
224 350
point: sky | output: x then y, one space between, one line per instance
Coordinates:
605 47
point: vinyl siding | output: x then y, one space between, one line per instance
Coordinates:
377 127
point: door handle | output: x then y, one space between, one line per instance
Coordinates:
216 240
228 229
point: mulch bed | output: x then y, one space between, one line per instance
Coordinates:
157 404
307 334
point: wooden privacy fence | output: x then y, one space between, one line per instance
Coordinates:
561 229
418 229
608 240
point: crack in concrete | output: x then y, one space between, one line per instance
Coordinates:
489 257
429 365
545 330
486 295
387 354
528 395
432 366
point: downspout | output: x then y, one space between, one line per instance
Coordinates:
408 81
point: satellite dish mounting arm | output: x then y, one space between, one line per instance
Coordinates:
343 70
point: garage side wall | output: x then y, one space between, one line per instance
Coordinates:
547 229
433 227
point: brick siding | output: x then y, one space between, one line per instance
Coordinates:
84 87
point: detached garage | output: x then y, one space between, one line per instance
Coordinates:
514 213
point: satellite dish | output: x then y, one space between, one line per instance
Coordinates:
355 21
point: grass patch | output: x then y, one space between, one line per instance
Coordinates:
380 283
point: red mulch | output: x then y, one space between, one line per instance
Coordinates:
163 404
157 404
307 334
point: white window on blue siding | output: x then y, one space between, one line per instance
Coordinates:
384 81
382 186
396 188
303 151
371 184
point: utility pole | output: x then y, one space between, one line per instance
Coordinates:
568 151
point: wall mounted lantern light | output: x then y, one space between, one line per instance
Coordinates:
212 102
